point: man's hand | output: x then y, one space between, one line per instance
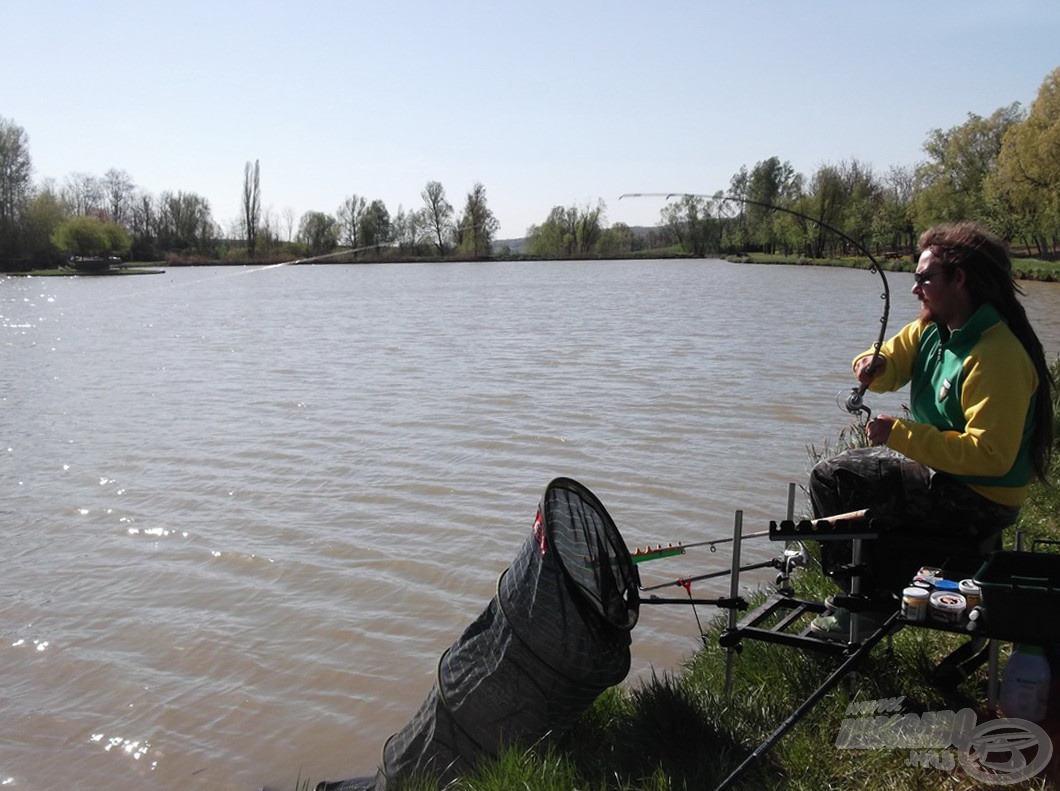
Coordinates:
879 429
866 370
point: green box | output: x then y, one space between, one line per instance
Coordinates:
1021 596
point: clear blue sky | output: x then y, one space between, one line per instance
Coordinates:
544 102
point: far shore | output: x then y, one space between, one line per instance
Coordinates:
1023 268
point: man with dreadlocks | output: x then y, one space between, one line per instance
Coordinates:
944 482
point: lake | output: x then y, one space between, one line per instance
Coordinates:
246 510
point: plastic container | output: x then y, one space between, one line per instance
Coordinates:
928 575
971 592
915 604
1025 684
947 607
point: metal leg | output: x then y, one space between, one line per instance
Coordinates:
992 685
734 592
830 682
855 590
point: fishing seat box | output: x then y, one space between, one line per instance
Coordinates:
1021 596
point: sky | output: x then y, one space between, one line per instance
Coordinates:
545 103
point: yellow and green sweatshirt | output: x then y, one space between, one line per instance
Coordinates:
971 400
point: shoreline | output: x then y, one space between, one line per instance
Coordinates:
1023 268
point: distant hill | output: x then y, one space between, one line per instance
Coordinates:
516 246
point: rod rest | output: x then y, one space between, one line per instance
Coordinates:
831 529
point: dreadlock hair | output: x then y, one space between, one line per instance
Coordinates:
988 272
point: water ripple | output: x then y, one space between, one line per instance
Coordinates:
245 515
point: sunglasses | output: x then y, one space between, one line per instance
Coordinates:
923 278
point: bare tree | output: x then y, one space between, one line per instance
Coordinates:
15 173
437 214
407 229
83 193
288 218
118 189
350 215
251 204
184 221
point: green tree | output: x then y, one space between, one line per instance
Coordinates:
847 197
477 226
825 200
40 219
775 183
951 182
892 226
589 228
15 172
90 237
737 226
568 232
690 222
618 240
862 201
318 232
375 225
553 238
1027 177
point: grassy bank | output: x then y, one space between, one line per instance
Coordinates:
1025 268
681 731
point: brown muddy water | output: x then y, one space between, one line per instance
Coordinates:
245 511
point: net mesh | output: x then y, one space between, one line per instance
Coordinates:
555 636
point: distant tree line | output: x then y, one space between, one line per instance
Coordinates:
1003 170
43 225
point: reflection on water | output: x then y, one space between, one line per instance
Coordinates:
246 510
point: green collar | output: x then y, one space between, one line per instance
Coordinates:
966 336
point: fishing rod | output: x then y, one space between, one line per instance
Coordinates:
854 403
344 251
794 552
643 555
790 558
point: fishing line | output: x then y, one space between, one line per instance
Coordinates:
854 403
239 271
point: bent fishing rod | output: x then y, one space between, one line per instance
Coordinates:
854 403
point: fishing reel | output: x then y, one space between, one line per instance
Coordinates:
854 403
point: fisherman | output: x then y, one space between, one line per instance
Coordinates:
944 482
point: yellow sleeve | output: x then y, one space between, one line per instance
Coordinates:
900 352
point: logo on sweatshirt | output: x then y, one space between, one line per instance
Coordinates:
944 389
